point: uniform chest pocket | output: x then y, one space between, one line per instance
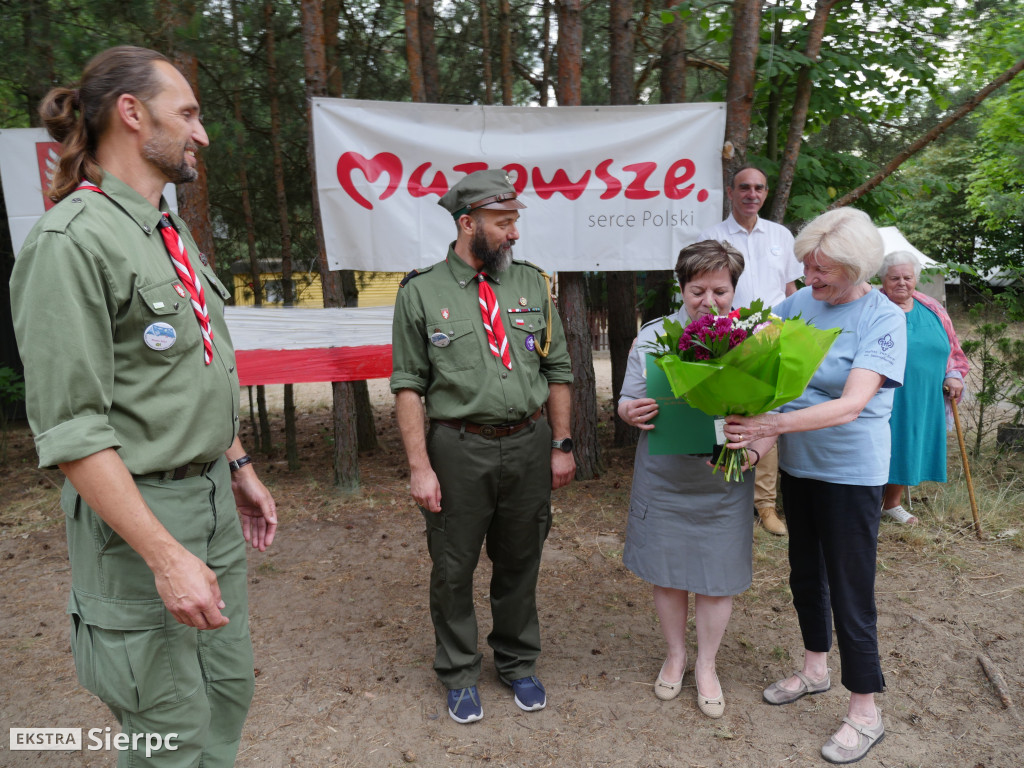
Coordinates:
212 282
453 345
526 332
165 320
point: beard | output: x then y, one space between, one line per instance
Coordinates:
493 259
168 158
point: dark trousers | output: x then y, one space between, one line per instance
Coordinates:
833 543
498 491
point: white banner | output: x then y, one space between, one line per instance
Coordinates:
28 158
606 188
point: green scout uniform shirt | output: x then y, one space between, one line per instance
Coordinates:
92 277
464 380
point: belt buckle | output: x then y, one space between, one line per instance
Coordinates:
488 430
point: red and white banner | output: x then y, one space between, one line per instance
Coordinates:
296 345
606 188
28 159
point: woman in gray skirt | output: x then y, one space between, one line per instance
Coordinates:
689 530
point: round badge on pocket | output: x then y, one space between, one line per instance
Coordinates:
160 336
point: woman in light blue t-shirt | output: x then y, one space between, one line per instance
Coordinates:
834 459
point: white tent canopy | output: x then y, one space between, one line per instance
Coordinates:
895 241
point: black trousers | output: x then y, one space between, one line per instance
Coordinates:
833 545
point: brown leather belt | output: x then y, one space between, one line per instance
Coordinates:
490 431
193 469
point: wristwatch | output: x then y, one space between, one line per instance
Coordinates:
565 444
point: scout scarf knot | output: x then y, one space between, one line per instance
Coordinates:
496 338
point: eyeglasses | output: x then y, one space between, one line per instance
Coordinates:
754 187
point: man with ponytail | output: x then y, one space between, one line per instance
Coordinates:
132 392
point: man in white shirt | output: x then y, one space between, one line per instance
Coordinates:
769 274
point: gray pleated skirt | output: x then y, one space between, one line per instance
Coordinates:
689 529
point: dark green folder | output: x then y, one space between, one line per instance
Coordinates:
678 428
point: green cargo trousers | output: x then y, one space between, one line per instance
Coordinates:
499 491
156 675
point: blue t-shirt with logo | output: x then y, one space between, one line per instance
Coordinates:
874 336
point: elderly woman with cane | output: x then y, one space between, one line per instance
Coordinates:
935 365
834 458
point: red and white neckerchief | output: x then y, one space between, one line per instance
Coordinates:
183 267
496 338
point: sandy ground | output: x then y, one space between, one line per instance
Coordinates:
344 644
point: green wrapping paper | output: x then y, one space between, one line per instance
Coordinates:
768 369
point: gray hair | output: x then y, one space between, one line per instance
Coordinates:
899 259
847 237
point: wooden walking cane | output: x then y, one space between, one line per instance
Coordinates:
967 469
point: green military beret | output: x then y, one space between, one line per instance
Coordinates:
483 189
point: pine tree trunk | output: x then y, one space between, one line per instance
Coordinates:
414 52
255 272
366 427
39 63
620 23
265 438
739 98
291 447
572 299
659 285
332 11
774 106
572 304
346 467
485 51
621 285
621 333
428 53
506 52
673 62
801 104
570 53
545 55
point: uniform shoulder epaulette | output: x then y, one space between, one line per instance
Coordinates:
527 264
413 274
59 217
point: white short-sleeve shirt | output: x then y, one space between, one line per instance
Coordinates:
768 255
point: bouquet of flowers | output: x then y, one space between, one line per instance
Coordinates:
747 362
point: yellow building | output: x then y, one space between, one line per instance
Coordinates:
376 289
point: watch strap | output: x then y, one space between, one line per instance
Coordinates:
240 462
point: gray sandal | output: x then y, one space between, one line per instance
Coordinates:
776 694
867 737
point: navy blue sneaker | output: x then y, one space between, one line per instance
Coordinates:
530 695
464 705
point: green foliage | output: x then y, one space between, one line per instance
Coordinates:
998 360
994 195
961 201
876 86
933 212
